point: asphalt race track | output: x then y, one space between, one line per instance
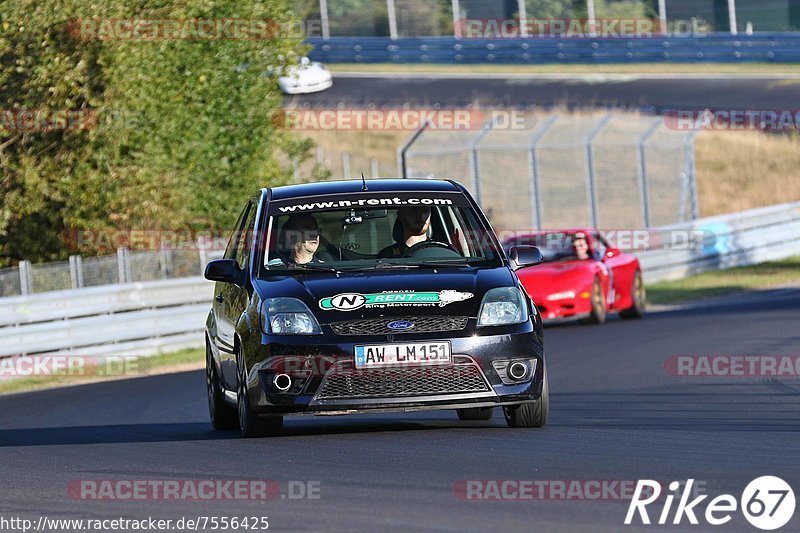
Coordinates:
615 415
657 94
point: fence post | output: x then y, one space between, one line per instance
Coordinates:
662 16
74 275
79 268
533 161
591 190
165 262
25 278
123 269
320 156
323 15
346 165
732 17
202 254
373 163
692 174
643 178
392 19
402 168
456 19
523 27
473 159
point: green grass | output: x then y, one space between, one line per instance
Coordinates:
724 282
637 68
141 366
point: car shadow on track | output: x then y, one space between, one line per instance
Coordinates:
711 409
200 431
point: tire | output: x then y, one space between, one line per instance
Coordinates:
250 424
532 414
599 311
639 297
476 413
222 415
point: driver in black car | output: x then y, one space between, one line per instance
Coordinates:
415 222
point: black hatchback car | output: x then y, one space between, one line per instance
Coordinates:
386 295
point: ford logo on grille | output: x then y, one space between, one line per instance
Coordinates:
399 325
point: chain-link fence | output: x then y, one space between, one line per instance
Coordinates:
123 267
610 171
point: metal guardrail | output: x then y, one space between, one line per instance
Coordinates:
136 318
739 239
161 316
713 47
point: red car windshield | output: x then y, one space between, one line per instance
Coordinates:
555 246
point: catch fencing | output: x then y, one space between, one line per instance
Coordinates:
126 266
609 171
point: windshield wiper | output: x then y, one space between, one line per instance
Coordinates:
445 263
310 266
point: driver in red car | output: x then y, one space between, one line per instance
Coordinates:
415 222
581 246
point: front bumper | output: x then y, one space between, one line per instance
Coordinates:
324 379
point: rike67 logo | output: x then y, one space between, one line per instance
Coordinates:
767 503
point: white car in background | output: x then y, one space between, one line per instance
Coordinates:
306 77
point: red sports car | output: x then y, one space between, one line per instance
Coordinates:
582 276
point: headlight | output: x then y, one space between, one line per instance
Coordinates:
288 316
503 305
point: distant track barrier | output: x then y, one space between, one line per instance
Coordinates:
711 48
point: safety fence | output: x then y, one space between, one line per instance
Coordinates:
125 266
620 171
716 48
400 19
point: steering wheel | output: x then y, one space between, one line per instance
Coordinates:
423 245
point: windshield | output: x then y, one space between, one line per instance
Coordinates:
555 246
369 232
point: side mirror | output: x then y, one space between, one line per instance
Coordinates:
612 252
524 256
224 270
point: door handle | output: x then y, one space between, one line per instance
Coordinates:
219 298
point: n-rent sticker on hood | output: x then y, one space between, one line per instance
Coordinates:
352 300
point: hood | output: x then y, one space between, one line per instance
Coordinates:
548 278
400 293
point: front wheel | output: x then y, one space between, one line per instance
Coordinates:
250 424
599 310
532 414
639 298
476 413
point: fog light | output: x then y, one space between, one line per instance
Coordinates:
517 370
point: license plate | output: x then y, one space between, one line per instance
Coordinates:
412 353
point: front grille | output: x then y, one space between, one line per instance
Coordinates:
379 326
415 381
